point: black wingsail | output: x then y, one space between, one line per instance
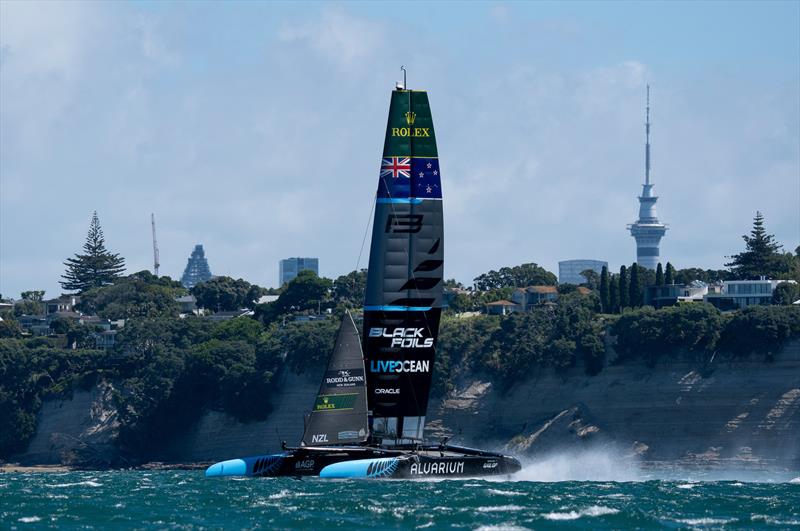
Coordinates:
339 415
404 282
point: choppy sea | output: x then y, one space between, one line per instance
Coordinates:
185 499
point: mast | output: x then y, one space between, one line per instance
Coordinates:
155 245
647 141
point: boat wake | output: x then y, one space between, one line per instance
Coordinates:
588 465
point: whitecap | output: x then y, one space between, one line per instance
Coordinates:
425 525
80 483
687 486
499 508
29 519
283 493
594 510
506 492
501 527
774 521
706 521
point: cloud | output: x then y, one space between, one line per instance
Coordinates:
339 37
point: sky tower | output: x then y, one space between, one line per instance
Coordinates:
647 230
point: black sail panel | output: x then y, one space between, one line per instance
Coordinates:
405 278
339 415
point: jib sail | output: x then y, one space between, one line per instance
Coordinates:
339 415
404 282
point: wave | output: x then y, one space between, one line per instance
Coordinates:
499 509
706 521
506 492
594 510
76 484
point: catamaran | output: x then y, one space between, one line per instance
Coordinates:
369 415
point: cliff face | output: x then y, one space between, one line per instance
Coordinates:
740 413
744 413
75 431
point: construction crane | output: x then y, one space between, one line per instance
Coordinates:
155 245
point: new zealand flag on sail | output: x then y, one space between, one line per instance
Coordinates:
425 180
404 177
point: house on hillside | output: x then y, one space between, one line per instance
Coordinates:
672 294
737 294
501 307
526 298
65 303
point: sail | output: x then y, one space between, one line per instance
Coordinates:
339 415
404 282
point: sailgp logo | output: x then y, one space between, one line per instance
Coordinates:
403 337
390 366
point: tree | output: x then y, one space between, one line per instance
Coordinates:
635 289
786 293
605 293
34 295
28 307
761 256
350 288
141 294
685 276
225 294
613 299
96 267
10 328
515 277
669 277
592 278
624 288
659 275
306 291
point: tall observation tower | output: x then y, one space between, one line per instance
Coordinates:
647 230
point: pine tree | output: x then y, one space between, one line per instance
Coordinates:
669 277
96 267
624 287
613 299
760 255
659 275
634 292
604 290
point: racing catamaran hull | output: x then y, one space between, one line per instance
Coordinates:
370 462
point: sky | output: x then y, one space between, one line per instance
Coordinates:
256 129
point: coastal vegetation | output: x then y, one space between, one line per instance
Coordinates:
166 368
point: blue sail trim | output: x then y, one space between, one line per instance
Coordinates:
396 308
400 200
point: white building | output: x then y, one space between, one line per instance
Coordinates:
742 293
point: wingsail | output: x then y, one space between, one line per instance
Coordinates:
404 282
339 415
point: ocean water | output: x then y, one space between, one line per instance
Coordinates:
187 500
